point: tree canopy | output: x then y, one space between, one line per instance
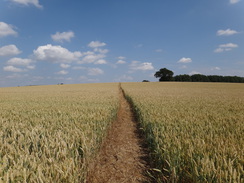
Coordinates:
208 78
167 75
164 74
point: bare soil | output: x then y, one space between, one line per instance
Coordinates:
122 157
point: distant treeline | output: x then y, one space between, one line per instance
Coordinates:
165 74
209 78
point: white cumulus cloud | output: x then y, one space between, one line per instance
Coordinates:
11 68
19 61
219 50
226 32
95 71
64 66
185 60
228 45
102 51
6 30
28 2
91 57
96 56
225 47
62 72
234 1
101 61
56 54
9 50
63 36
95 44
121 62
137 65
25 64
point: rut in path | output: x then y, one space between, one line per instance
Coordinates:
122 156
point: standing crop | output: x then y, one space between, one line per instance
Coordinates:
195 131
51 133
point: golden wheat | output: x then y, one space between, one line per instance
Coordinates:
50 133
195 130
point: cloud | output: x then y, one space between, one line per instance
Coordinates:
234 1
30 67
85 79
16 76
121 62
19 61
96 56
102 51
194 72
64 66
63 36
185 60
78 68
159 50
101 61
28 2
95 44
9 50
6 30
215 68
56 54
62 72
121 58
228 45
136 65
95 71
25 65
225 47
91 58
11 68
226 32
219 50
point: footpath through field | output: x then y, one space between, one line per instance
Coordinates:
122 156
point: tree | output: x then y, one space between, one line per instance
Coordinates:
184 78
164 75
199 78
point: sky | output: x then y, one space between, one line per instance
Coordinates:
45 42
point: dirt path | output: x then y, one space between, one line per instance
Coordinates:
122 155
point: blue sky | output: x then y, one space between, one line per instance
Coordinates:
83 41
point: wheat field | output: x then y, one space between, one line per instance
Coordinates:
195 131
51 133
